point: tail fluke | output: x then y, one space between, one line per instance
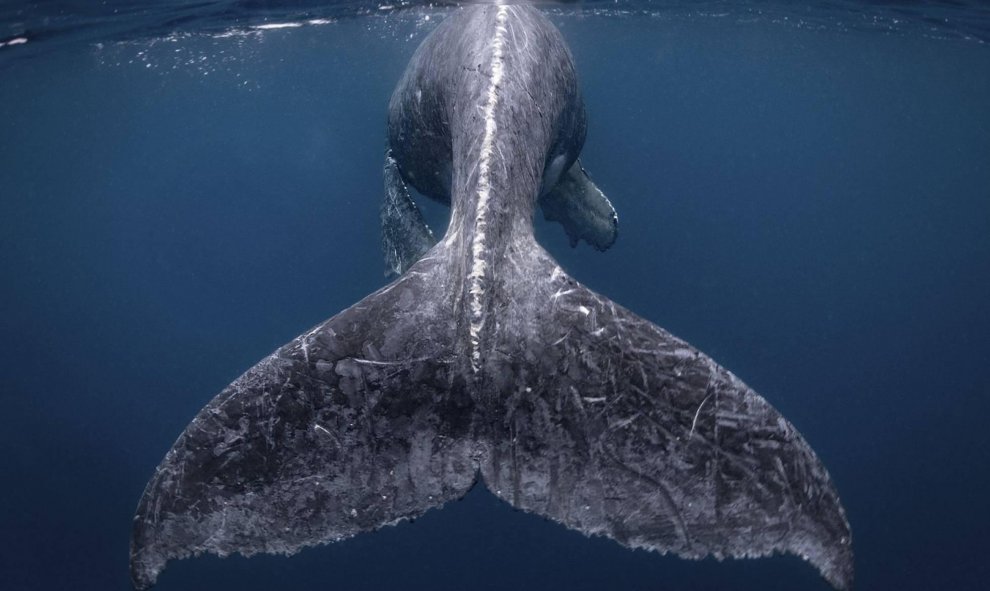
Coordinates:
581 412
359 423
613 426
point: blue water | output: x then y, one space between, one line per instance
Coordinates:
810 205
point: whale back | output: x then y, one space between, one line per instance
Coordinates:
436 113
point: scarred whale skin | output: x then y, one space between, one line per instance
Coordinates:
486 360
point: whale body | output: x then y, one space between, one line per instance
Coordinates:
485 361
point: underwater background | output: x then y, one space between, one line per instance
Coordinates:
803 193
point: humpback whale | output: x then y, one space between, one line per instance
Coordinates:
485 361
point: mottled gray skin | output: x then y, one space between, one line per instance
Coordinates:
420 153
575 408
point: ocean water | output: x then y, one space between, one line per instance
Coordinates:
803 193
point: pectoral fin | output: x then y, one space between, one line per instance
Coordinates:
582 209
405 235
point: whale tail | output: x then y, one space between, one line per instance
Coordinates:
360 422
587 415
612 426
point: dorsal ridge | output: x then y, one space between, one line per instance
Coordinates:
479 267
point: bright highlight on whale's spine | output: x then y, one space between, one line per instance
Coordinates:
484 361
477 274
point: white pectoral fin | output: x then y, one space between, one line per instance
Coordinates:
582 209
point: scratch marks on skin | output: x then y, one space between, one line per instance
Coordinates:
333 438
694 423
453 235
402 362
478 246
